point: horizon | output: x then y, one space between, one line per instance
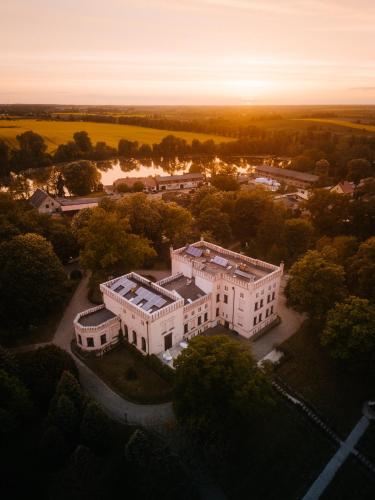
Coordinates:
189 53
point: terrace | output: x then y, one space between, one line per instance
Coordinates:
184 287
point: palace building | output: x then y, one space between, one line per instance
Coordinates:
209 285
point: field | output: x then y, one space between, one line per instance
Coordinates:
340 123
59 132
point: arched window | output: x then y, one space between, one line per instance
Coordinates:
134 337
126 332
143 344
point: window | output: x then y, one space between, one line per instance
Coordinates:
167 341
192 313
185 328
225 299
205 317
103 339
126 332
256 306
241 295
79 339
47 206
260 317
217 312
199 309
225 288
90 342
134 337
143 344
271 309
268 299
218 297
199 320
273 295
267 312
255 321
261 303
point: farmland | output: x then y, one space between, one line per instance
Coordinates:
59 132
340 123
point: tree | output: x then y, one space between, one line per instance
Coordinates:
65 416
42 369
362 270
176 222
4 159
129 149
67 152
349 332
303 163
81 177
249 210
219 390
95 427
298 238
343 247
32 152
32 279
54 448
359 169
217 223
225 182
108 244
315 284
83 142
329 212
322 167
69 386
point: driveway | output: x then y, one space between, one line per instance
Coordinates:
117 407
291 320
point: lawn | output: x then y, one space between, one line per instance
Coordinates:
337 394
340 123
59 132
128 375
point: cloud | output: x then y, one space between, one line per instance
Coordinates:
363 89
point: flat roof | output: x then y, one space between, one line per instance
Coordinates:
284 172
96 318
141 294
77 201
213 261
186 288
179 177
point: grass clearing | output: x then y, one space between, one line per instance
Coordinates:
117 369
59 132
340 123
337 394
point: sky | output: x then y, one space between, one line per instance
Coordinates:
236 52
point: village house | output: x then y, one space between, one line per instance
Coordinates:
209 286
344 187
149 182
181 181
46 204
290 177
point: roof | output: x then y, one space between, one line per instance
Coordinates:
96 318
214 259
284 172
38 197
77 201
346 187
185 287
180 177
130 181
141 293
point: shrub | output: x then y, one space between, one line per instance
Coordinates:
131 374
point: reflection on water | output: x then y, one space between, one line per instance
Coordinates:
46 177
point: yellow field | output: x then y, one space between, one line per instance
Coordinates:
341 123
59 132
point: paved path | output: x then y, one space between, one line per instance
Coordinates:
291 320
116 406
328 473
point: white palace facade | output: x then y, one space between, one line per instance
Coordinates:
209 286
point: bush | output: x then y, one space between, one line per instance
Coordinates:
95 427
54 449
76 274
153 362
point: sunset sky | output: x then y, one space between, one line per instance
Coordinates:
187 51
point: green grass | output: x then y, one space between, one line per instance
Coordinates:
340 123
148 387
59 132
337 394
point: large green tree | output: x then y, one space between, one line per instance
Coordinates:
315 284
81 177
219 390
349 332
32 279
362 270
108 244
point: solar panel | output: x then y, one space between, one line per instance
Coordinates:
119 288
194 251
150 303
220 261
123 286
160 302
238 272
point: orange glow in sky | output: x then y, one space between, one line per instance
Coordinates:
187 51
